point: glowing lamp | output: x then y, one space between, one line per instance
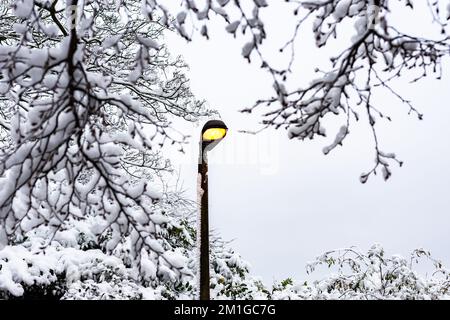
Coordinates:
214 134
214 130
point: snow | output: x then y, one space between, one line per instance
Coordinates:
20 28
232 27
92 274
23 8
148 42
3 236
159 218
361 28
176 259
301 130
223 3
111 41
342 9
51 30
148 267
343 132
136 190
4 88
410 45
261 3
247 49
181 17
66 157
356 8
148 294
155 245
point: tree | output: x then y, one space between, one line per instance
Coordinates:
377 55
87 97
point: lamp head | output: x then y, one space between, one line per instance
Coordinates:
213 131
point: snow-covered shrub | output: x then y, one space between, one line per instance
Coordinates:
74 264
231 277
29 270
371 275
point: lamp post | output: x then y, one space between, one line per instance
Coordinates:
212 133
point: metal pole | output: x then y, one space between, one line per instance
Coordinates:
207 142
204 224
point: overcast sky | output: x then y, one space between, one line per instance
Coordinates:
283 202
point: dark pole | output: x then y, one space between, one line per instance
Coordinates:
204 223
209 138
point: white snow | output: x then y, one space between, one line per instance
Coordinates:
148 42
23 8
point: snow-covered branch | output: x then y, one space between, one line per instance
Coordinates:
89 93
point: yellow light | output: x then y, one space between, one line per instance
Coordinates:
214 134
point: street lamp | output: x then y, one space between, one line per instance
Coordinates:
212 133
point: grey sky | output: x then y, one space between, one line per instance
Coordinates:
284 202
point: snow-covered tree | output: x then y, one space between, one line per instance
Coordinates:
101 57
378 53
84 81
73 266
88 93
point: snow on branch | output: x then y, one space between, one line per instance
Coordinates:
87 96
378 54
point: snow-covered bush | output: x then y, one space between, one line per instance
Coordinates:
72 268
76 265
365 63
371 275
